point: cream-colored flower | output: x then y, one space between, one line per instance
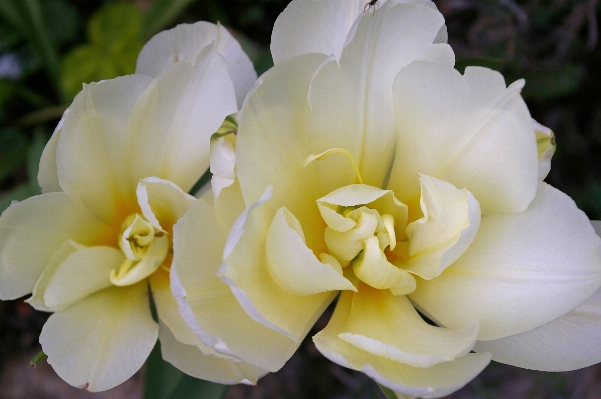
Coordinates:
409 187
101 238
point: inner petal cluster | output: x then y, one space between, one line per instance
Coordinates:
145 248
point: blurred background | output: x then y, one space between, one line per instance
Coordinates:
48 48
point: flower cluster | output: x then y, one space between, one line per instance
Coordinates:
362 168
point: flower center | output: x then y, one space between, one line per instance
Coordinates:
145 248
360 238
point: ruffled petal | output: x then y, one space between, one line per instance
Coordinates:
172 123
161 201
206 303
388 326
522 270
432 382
293 266
481 137
448 227
246 272
271 144
101 341
192 361
47 173
92 153
186 41
82 273
307 26
33 230
571 342
351 100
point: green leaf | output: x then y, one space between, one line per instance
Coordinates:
13 152
163 381
62 20
162 13
388 392
115 26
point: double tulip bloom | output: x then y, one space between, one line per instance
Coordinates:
363 167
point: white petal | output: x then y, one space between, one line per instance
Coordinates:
47 173
186 41
161 201
82 273
192 361
245 271
470 131
174 119
32 230
102 340
351 100
293 266
222 164
448 227
308 26
271 144
433 382
207 304
522 270
571 342
92 152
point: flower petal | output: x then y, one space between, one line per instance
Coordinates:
192 361
82 273
545 143
32 231
186 41
161 201
101 341
481 137
448 227
434 382
271 145
388 326
92 152
222 164
522 270
206 303
246 272
570 342
174 119
293 266
307 26
351 100
47 173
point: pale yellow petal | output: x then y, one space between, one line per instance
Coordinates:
161 201
207 304
246 272
82 273
222 164
192 361
31 232
101 341
522 270
271 144
47 173
448 227
186 41
293 266
151 260
351 99
545 143
480 138
433 382
388 326
172 122
92 153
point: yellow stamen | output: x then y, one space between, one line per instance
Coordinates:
324 154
